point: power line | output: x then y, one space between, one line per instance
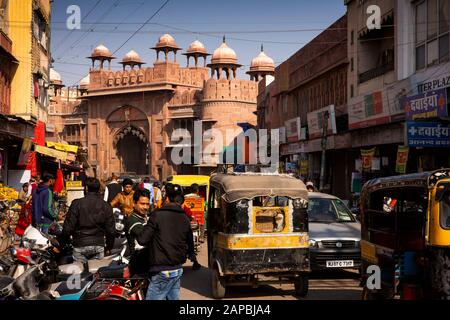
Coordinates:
86 33
140 28
123 21
73 30
143 25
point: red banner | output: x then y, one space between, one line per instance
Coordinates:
39 139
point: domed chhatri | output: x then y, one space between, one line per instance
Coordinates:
166 41
261 66
101 54
166 44
132 59
262 63
224 59
196 47
132 56
224 55
55 77
196 50
101 51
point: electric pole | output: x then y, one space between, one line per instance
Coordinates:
325 117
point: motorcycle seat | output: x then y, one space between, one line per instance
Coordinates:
112 272
72 268
94 265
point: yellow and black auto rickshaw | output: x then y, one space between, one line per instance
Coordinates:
406 234
258 231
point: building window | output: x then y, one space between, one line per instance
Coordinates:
352 37
352 64
432 32
352 91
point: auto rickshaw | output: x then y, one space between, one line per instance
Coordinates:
258 231
197 204
406 233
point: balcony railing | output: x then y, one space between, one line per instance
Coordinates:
376 72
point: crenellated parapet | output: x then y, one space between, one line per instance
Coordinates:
230 90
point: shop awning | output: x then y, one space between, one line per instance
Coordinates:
60 155
62 147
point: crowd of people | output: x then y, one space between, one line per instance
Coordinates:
157 225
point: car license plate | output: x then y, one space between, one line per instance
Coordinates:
340 264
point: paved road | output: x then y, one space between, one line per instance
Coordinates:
195 285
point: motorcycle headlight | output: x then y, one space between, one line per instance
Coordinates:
119 227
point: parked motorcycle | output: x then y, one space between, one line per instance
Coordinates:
195 227
120 222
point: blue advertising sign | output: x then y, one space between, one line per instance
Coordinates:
427 105
428 134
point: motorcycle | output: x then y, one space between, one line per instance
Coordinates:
195 227
120 222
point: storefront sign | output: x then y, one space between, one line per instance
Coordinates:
432 104
366 111
402 159
292 148
366 158
291 167
428 134
51 152
62 147
304 167
316 122
434 84
293 127
74 184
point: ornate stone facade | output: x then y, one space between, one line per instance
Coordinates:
132 113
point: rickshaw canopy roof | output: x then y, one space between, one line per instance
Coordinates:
423 179
247 186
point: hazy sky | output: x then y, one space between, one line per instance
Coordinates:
283 27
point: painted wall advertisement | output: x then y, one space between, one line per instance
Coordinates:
428 134
292 148
379 107
366 111
402 159
432 104
316 122
293 128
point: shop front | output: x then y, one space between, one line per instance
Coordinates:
14 132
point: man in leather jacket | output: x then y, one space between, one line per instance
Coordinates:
167 236
90 222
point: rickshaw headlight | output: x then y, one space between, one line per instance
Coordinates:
313 243
300 203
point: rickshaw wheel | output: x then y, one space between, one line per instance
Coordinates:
301 285
218 285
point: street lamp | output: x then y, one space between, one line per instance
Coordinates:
325 117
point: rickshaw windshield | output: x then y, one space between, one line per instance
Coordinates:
328 211
270 202
444 205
